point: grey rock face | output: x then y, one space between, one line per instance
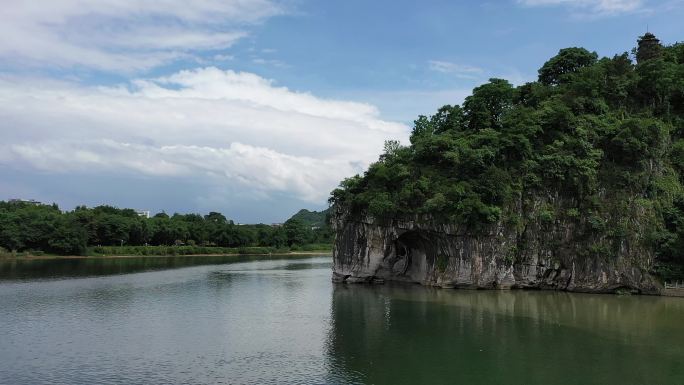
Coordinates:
537 255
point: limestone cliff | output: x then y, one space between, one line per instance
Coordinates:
535 252
572 182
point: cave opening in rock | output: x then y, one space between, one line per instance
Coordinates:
410 255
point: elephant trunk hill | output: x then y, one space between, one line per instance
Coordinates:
572 182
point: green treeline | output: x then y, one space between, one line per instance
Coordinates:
108 230
606 134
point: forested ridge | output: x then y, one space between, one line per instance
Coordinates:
36 228
594 141
312 218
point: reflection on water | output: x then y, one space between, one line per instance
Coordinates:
410 334
282 321
95 266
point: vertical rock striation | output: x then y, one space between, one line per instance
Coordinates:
535 252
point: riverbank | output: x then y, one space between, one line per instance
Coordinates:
166 251
47 257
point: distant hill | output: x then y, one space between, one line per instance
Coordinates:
312 218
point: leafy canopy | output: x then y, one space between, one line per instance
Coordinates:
598 132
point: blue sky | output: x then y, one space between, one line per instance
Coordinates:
257 108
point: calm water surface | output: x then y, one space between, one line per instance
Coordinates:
163 320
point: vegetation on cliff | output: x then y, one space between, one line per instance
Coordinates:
596 141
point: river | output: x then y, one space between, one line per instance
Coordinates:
181 320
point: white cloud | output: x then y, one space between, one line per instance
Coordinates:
122 35
460 70
595 7
269 62
407 105
226 127
223 57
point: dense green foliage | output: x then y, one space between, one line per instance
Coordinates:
44 228
605 134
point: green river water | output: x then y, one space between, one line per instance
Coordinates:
249 320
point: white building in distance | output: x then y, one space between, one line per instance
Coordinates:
143 213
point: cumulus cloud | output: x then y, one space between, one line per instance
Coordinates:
123 35
226 127
596 7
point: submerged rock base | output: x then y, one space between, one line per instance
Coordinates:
535 257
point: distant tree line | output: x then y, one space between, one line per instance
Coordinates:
26 226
